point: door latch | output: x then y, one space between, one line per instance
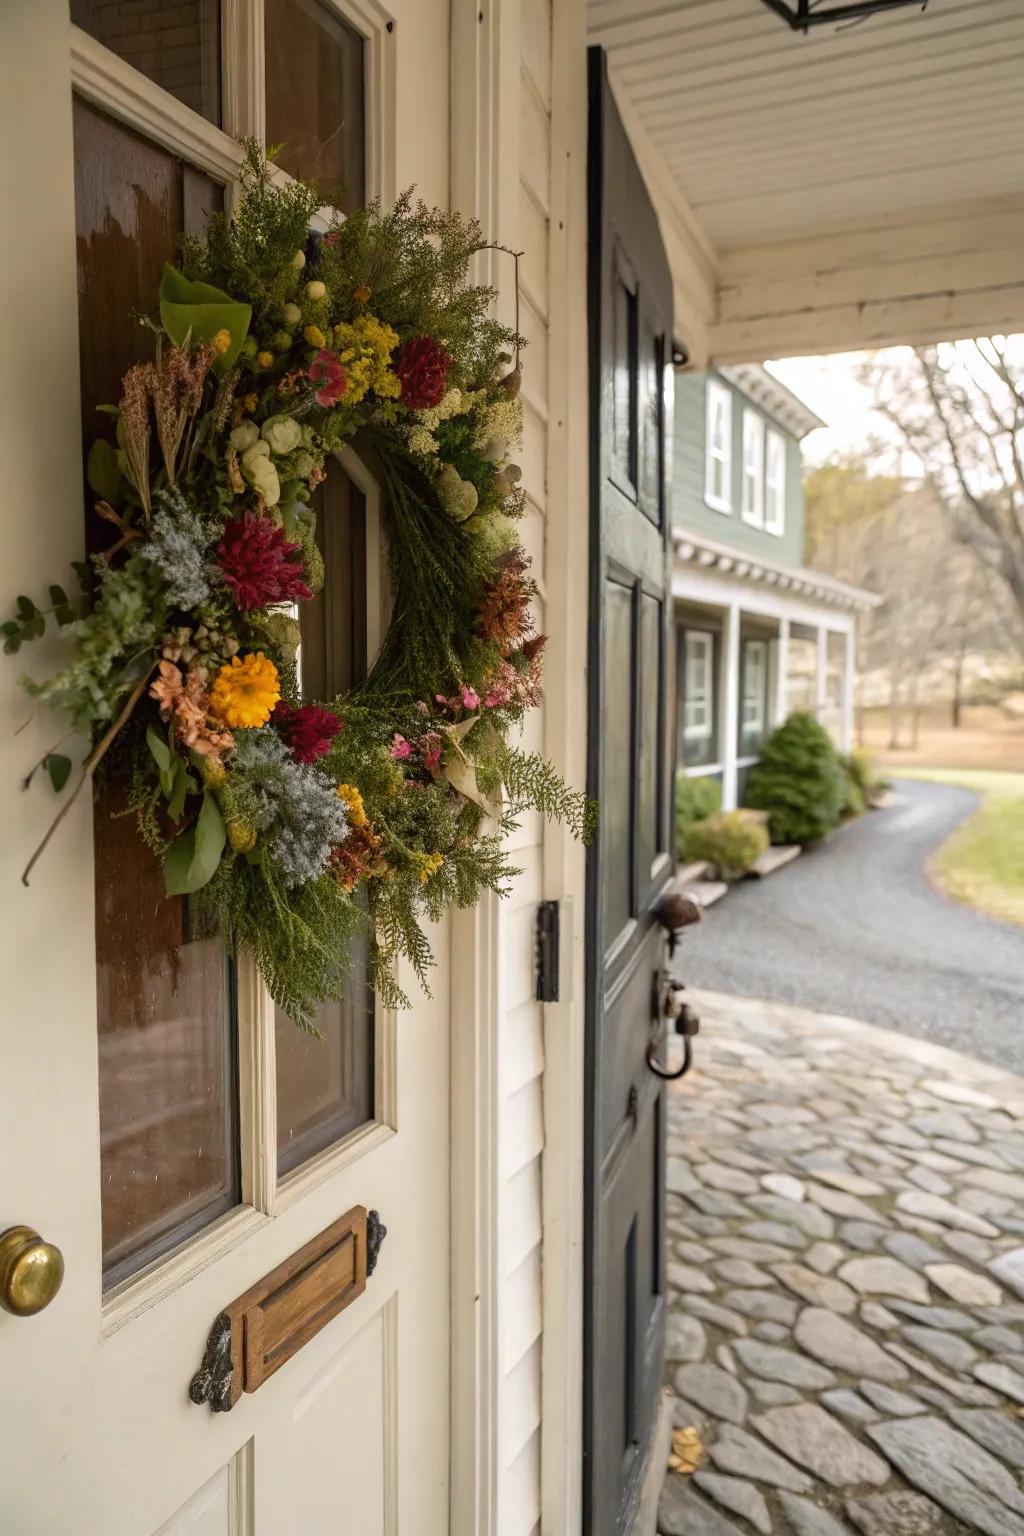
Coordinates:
674 1007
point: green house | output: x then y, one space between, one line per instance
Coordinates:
757 633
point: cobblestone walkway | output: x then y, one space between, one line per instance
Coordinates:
846 1282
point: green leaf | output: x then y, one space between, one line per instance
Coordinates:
59 769
181 784
12 645
102 472
201 310
159 748
26 608
83 570
192 859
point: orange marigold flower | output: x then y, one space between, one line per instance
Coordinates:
245 691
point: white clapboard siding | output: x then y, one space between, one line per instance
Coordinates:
521 1065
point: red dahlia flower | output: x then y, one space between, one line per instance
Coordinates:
422 366
259 564
307 731
331 375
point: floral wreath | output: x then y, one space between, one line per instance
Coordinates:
293 825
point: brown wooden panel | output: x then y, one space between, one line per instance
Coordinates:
263 1328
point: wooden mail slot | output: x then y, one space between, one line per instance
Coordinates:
262 1329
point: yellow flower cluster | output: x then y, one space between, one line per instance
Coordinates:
365 347
241 835
245 691
353 805
427 864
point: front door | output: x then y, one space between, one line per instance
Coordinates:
160 1124
630 339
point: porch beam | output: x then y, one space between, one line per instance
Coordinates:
782 672
821 674
938 276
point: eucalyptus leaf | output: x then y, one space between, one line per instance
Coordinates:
192 859
159 748
102 472
59 769
200 310
181 782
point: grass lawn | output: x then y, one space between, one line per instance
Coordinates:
982 863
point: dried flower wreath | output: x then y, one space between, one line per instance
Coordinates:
291 824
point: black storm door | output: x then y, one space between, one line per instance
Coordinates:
629 773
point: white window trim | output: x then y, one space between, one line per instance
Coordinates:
752 475
775 486
757 648
717 394
703 640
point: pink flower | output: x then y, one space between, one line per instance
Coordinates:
400 748
470 700
431 747
332 376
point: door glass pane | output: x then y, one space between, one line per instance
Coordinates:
325 1088
175 44
617 760
168 1091
624 385
650 419
316 97
649 790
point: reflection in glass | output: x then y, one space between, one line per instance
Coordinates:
617 760
177 45
325 1089
649 793
316 97
167 1081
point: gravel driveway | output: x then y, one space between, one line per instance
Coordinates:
855 928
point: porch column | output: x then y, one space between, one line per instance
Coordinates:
821 680
782 673
730 704
849 674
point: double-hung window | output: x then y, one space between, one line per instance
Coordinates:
718 451
753 704
698 703
752 500
775 483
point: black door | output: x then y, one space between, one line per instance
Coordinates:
630 865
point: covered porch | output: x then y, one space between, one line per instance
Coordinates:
754 642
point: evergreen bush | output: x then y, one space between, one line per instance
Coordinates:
732 840
695 799
797 781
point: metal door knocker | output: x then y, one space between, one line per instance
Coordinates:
674 1007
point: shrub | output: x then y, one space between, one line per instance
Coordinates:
852 795
695 800
731 840
797 781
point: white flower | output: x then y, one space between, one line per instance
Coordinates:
316 289
299 260
243 437
283 433
457 496
303 465
258 468
495 450
422 442
292 314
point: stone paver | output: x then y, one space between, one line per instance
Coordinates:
845 1225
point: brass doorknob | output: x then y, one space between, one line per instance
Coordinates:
31 1271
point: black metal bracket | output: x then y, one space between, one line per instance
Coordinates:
548 947
376 1232
801 15
212 1382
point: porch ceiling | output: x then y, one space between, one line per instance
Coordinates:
765 141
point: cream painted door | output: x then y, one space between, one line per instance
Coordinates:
144 1087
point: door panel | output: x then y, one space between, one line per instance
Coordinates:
630 330
99 1435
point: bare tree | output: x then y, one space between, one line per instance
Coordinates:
960 409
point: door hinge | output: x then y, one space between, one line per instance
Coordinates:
548 931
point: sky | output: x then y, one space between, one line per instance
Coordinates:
829 386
